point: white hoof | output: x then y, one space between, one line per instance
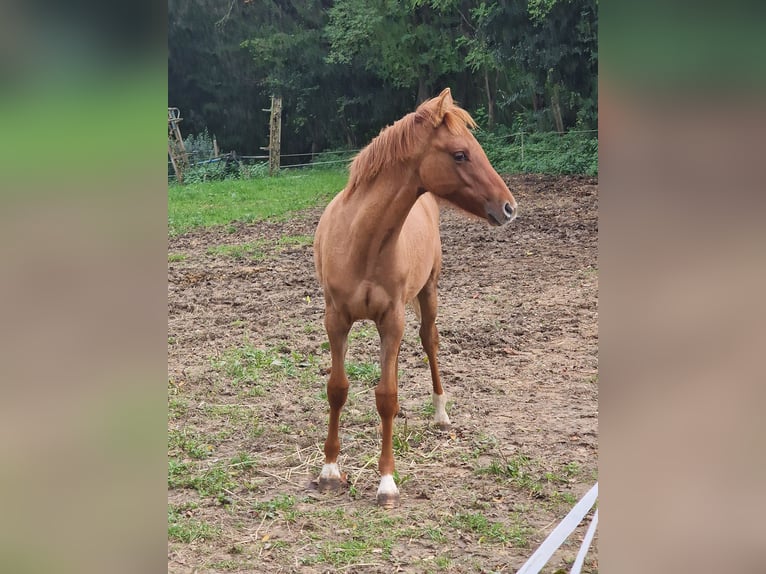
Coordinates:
388 494
440 411
330 478
330 471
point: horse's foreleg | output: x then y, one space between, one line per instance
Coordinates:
429 337
337 392
391 330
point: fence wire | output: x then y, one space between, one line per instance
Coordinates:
524 148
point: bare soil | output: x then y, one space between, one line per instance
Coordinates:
518 319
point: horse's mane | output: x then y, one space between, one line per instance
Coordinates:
399 142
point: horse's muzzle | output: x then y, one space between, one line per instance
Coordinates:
503 218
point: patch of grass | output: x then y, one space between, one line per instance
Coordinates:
177 408
253 251
223 202
363 331
212 481
179 474
520 471
434 533
296 240
184 529
489 531
367 373
281 505
175 257
517 470
243 461
367 532
248 365
189 443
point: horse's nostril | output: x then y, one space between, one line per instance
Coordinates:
508 208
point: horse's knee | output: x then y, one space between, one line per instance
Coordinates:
387 403
337 394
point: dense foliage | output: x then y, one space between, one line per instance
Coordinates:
345 68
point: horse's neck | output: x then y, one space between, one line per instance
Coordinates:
381 208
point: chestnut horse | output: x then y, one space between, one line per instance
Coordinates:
377 247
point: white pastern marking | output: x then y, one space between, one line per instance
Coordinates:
440 404
330 471
387 485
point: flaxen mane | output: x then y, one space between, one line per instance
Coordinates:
400 141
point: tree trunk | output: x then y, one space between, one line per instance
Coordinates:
423 94
556 109
490 101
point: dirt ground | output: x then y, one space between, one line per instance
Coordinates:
518 319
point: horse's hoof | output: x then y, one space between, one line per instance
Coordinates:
444 426
388 499
332 484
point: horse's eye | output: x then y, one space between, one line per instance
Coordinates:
459 156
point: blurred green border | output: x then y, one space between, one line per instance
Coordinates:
95 129
667 46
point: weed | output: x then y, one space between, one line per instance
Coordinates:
177 408
491 531
296 240
249 365
253 251
362 331
280 505
518 471
367 373
243 461
435 533
175 257
184 529
189 443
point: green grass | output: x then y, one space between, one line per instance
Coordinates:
184 529
550 153
222 202
189 443
488 531
248 365
520 471
296 240
253 251
367 373
281 506
175 257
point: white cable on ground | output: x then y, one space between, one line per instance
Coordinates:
560 533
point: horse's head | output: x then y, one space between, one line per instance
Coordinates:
454 166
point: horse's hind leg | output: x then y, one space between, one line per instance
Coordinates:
337 391
429 337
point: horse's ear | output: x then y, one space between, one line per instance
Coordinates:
435 108
442 104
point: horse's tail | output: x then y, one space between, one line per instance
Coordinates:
415 305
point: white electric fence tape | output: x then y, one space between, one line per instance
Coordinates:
577 566
561 533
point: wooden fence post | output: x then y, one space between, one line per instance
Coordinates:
176 149
275 134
